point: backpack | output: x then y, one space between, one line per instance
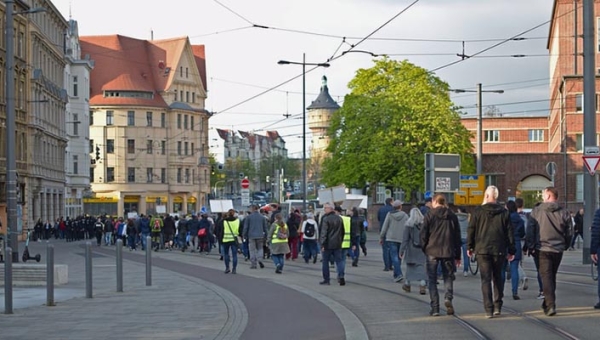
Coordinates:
156 226
415 235
309 230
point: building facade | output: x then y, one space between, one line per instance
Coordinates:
77 153
148 126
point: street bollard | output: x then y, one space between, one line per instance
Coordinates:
88 270
49 274
148 261
119 266
8 285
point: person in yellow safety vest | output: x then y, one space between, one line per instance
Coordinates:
230 231
278 239
346 241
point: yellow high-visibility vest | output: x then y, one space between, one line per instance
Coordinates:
346 240
276 239
229 236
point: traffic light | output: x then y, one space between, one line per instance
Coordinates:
212 169
97 153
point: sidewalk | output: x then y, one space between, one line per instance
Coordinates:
138 312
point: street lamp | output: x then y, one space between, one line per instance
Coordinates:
304 64
11 161
479 123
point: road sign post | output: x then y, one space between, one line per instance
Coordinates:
591 163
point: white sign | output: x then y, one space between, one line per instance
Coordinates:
442 183
591 163
161 209
591 150
220 205
332 195
245 197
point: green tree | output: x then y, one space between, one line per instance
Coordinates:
396 112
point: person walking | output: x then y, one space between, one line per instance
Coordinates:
357 223
555 231
278 238
412 254
463 220
229 233
98 228
519 233
491 238
595 247
381 215
255 231
331 238
577 228
310 231
440 241
392 233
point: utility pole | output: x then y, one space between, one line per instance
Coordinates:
590 183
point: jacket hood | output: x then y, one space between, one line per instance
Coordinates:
440 212
311 220
398 215
462 217
493 208
550 206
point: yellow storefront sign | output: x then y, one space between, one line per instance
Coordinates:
154 199
131 199
177 199
101 199
191 199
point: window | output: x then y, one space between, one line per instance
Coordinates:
110 174
110 146
75 164
185 148
163 175
91 117
179 120
149 119
75 90
181 95
91 146
181 71
579 102
193 97
130 118
130 175
131 146
536 135
187 175
175 96
491 136
179 148
149 175
178 175
163 120
579 187
185 122
110 117
149 144
579 142
191 122
92 175
187 96
75 124
186 72
491 180
163 147
192 149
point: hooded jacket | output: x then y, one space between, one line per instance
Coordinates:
490 231
549 228
440 234
393 226
595 239
463 221
331 231
255 226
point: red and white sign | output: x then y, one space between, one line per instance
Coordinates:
591 163
245 183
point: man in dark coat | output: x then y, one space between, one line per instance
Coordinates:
331 238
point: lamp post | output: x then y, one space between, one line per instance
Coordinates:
479 121
304 64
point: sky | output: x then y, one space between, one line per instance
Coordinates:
242 58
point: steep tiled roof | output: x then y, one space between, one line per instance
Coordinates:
324 100
124 63
224 134
199 54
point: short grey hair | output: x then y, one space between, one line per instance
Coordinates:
492 191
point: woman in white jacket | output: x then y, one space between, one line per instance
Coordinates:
412 254
310 232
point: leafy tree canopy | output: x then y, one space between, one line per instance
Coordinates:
396 112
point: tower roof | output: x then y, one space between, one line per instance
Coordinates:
324 100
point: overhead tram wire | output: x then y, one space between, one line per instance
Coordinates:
234 12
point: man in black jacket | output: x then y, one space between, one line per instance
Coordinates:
331 237
441 243
554 228
490 237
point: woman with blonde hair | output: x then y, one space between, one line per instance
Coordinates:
411 252
278 239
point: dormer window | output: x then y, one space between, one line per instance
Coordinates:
129 94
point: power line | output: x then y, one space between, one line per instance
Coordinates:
235 13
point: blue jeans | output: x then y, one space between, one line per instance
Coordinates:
396 261
131 241
310 249
464 255
107 238
245 249
226 258
278 260
144 235
387 260
355 254
432 268
336 255
514 276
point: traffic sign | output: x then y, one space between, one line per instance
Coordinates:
245 197
245 183
591 163
471 190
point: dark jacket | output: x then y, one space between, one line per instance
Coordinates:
519 233
193 225
578 228
382 213
356 226
169 225
293 222
440 234
204 223
332 231
549 228
490 231
255 226
145 225
595 240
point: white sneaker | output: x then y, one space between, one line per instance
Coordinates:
540 296
465 274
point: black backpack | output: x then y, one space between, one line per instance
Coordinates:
309 229
415 235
